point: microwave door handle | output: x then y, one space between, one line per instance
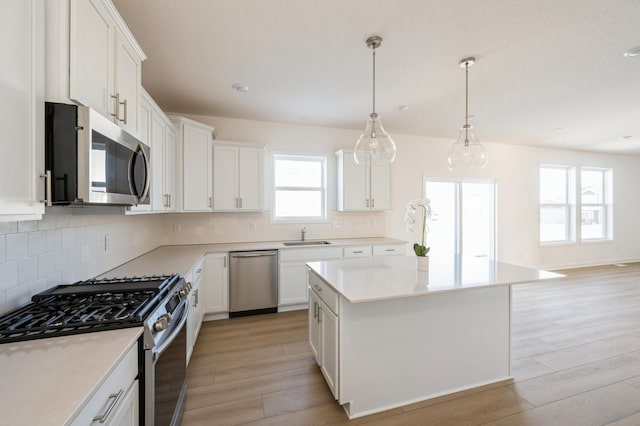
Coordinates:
147 178
147 173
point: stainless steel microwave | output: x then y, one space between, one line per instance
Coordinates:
91 160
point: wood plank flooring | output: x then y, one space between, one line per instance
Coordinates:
576 361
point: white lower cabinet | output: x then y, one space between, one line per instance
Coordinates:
323 331
215 288
196 313
293 272
116 401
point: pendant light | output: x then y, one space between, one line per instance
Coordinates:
467 153
375 146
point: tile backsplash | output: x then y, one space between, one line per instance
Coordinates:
66 247
202 228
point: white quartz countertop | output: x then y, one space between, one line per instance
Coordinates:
46 381
180 259
373 279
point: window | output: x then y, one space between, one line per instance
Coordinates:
556 203
299 188
595 198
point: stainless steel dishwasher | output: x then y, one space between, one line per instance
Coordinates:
253 282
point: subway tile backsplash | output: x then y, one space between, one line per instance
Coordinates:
64 248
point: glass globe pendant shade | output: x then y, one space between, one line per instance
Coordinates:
467 153
375 146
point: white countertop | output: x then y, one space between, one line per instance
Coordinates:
46 381
180 259
381 278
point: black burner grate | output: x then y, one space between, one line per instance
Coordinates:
92 305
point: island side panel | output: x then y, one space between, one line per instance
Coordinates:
399 351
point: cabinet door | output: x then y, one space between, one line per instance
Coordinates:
157 136
380 187
21 109
329 348
127 80
293 283
195 315
170 167
354 184
314 326
197 179
91 34
225 178
215 285
250 182
126 413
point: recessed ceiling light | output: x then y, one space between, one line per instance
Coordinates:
558 129
633 52
624 138
240 88
403 107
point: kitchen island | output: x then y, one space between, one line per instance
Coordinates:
387 335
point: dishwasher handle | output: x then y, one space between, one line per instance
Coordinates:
254 254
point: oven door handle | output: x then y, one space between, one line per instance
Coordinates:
183 319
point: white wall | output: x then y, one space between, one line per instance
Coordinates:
514 168
63 248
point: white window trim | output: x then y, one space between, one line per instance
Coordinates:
570 204
300 157
607 204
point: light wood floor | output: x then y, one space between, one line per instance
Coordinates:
576 361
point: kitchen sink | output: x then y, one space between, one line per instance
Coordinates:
305 243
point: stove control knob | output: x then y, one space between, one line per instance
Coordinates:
160 324
182 292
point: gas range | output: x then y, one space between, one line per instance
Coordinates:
96 305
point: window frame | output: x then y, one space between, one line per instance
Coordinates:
606 205
315 158
569 205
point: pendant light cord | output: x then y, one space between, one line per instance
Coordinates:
466 105
374 81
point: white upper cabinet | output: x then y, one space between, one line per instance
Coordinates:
22 109
104 62
238 176
196 178
362 187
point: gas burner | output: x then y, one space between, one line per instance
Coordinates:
92 305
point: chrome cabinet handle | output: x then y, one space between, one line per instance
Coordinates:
114 398
390 250
357 251
317 287
169 195
196 296
47 192
116 106
373 203
225 262
366 202
125 112
210 201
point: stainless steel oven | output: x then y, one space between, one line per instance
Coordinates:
165 362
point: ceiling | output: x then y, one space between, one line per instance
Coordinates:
547 72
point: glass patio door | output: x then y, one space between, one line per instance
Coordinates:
463 217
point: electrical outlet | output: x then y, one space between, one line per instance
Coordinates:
177 227
107 242
252 226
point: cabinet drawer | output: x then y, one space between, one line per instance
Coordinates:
194 274
358 251
310 253
326 293
109 395
390 250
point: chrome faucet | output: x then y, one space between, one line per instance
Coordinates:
304 231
